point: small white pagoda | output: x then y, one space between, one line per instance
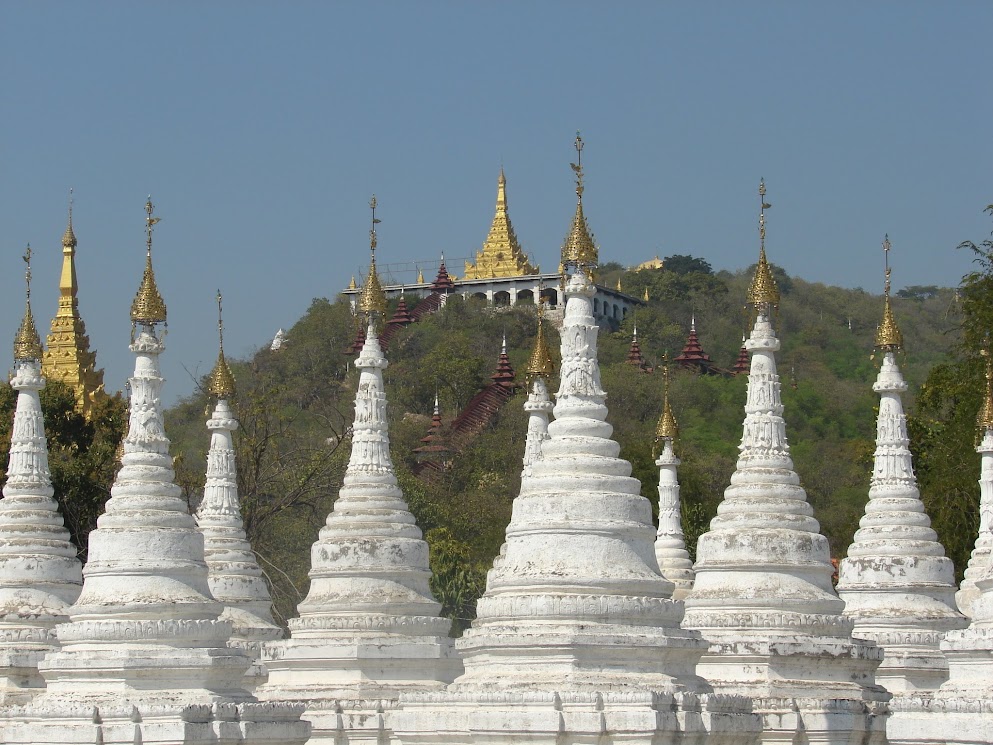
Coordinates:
144 658
40 576
369 629
670 543
762 595
538 406
897 583
234 576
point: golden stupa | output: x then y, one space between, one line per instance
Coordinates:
68 358
501 254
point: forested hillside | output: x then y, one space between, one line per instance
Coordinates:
295 406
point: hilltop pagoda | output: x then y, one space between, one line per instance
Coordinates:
68 358
501 254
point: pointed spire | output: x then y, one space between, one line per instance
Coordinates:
693 357
443 282
888 336
743 362
667 429
504 375
540 364
221 381
372 301
69 237
148 307
420 276
645 295
501 254
984 419
68 358
579 249
634 351
619 288
351 284
27 343
763 292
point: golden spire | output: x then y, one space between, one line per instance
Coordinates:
579 249
888 336
420 276
148 307
645 295
540 365
984 420
667 428
352 285
501 254
763 290
619 288
221 381
372 299
27 343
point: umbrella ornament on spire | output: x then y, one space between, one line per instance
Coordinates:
372 299
888 336
27 343
763 293
221 381
667 429
148 308
579 249
69 237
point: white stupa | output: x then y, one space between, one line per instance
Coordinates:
278 341
897 583
670 543
538 406
234 576
40 576
369 629
762 594
979 561
144 658
576 634
961 711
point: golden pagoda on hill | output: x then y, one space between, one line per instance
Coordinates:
68 358
501 254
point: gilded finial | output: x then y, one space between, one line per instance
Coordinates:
69 237
372 299
221 381
352 285
619 288
984 420
579 249
540 364
27 343
888 336
667 428
763 292
420 276
148 308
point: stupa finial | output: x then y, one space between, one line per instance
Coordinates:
69 237
27 343
888 336
540 365
579 249
148 307
221 381
763 294
984 421
667 428
373 299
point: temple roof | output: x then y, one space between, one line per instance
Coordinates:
501 254
693 354
443 282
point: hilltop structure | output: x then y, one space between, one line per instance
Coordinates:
68 358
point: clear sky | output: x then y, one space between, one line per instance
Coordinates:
262 129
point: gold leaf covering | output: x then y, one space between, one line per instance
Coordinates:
540 365
984 420
888 336
501 254
372 299
69 237
579 248
221 381
667 428
148 307
27 343
763 289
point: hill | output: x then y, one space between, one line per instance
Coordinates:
295 408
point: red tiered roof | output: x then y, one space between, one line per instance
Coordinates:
504 374
358 342
743 364
634 353
401 318
443 283
693 355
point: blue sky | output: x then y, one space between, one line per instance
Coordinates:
261 130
